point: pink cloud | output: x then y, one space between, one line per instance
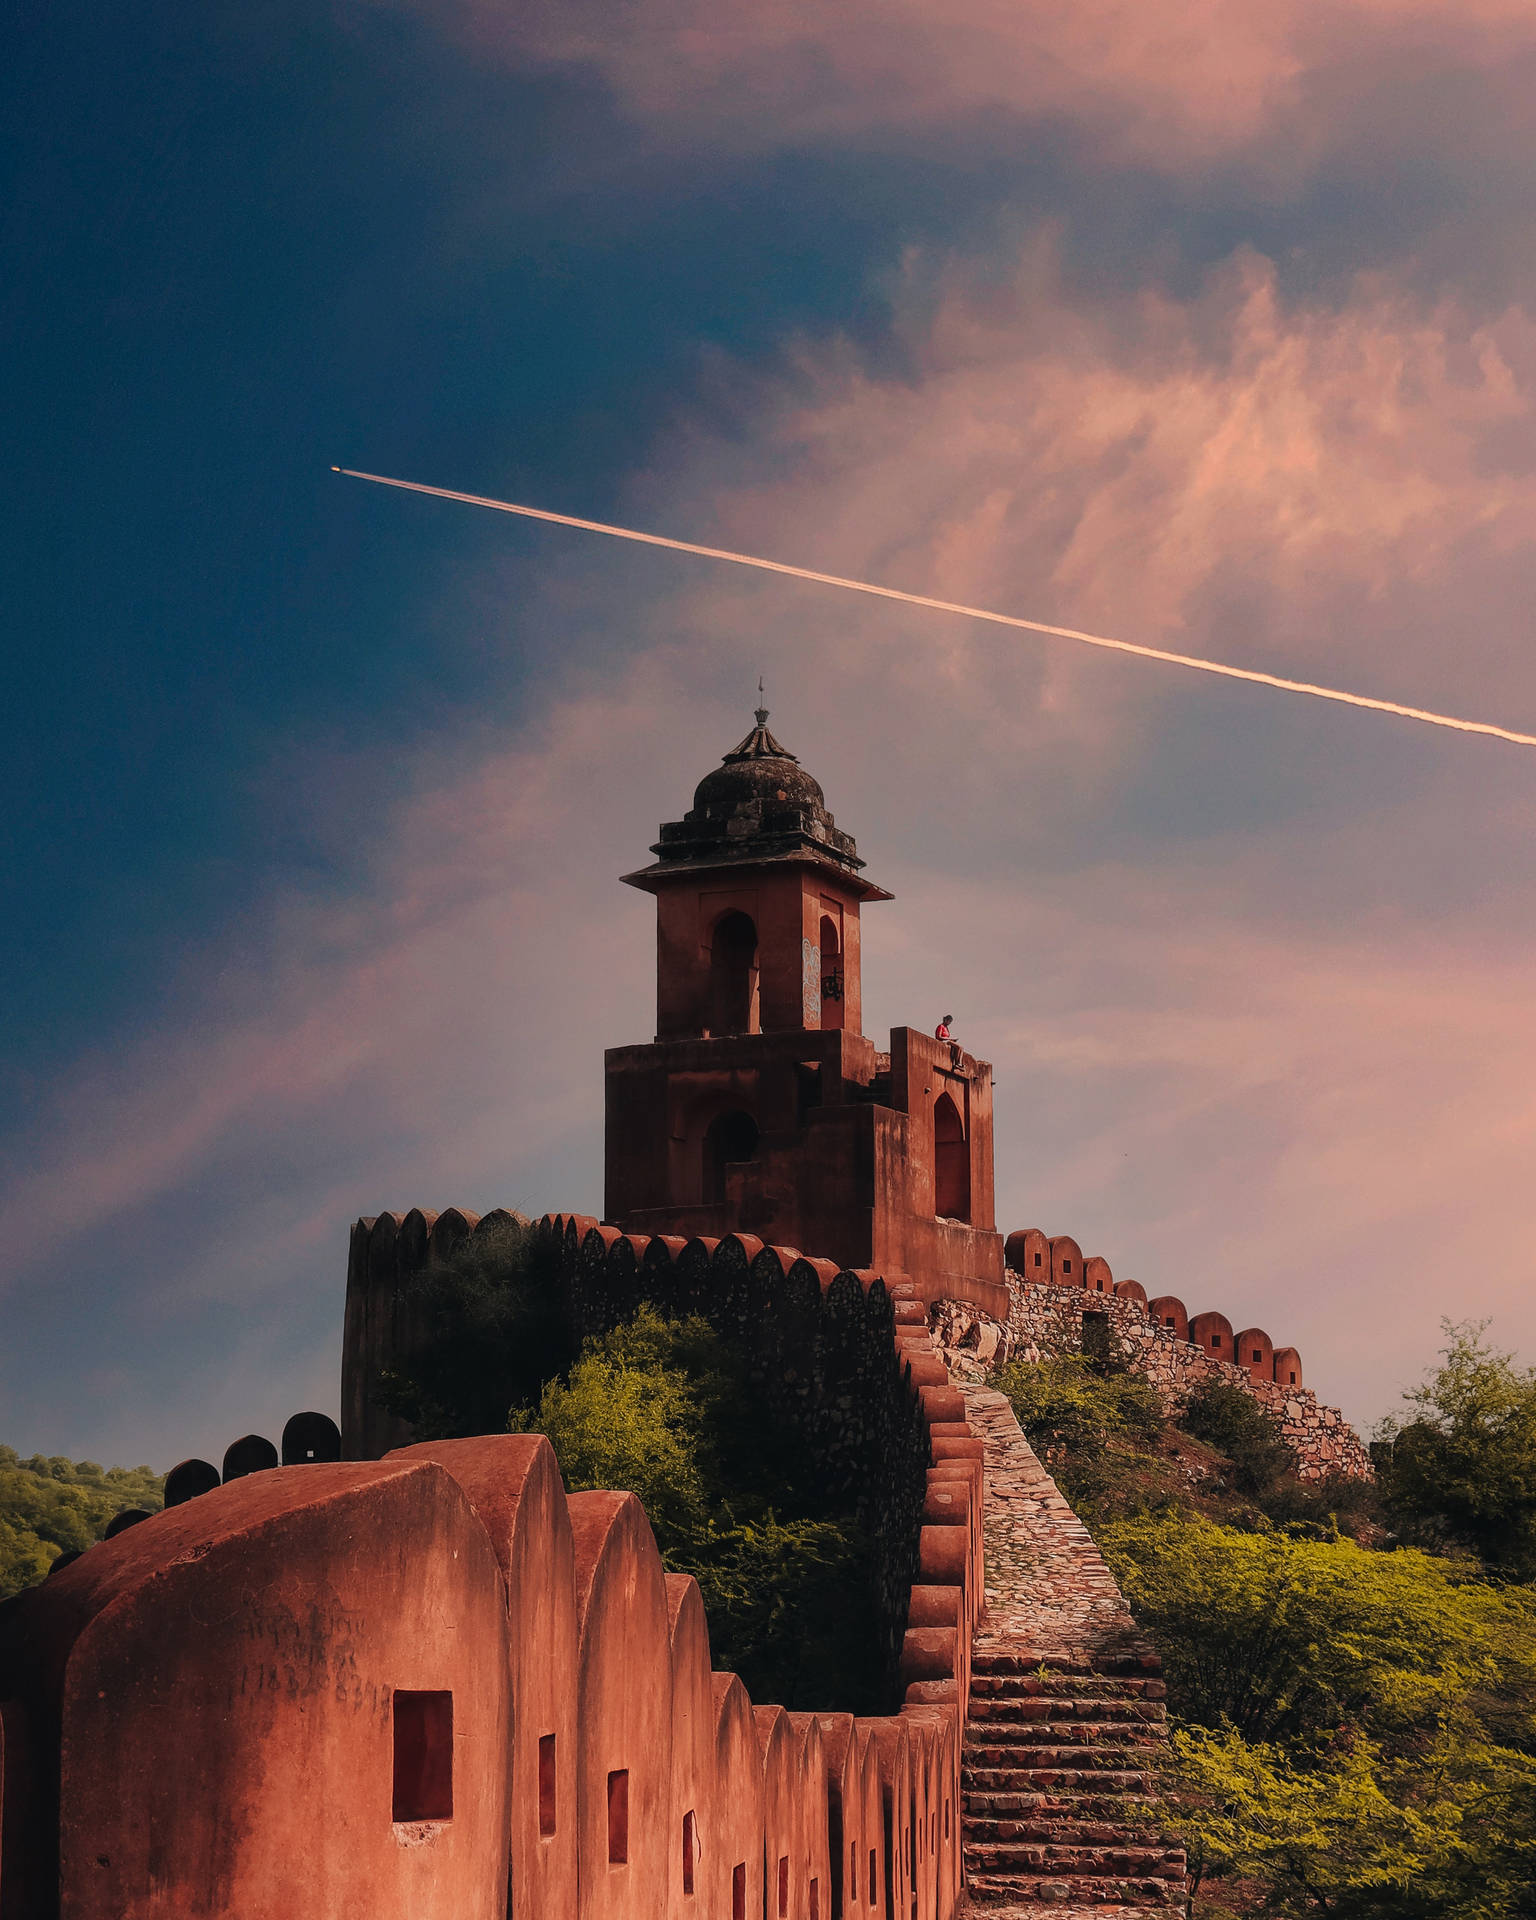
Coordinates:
1272 1056
1171 83
1117 466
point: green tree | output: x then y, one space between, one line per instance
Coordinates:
1461 1472
662 1409
635 1414
1355 1731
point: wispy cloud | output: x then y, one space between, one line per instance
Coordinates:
1172 84
1253 979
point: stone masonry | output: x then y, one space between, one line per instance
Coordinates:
1048 1319
1066 1721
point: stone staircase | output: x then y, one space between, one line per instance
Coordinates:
1066 1720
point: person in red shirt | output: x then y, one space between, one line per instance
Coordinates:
941 1031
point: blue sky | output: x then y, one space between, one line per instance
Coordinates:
1209 330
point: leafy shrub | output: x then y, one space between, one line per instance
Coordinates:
1097 1426
1069 1409
1234 1424
1279 1637
1346 1830
1355 1731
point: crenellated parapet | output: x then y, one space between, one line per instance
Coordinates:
381 1323
851 1363
1056 1293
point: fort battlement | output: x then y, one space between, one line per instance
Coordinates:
421 1681
436 1684
1055 1297
848 1358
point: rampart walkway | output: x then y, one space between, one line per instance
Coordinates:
1066 1711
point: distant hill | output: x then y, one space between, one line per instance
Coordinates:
53 1506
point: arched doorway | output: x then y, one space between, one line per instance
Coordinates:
951 1162
729 1139
733 975
831 974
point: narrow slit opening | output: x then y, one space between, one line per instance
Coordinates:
618 1818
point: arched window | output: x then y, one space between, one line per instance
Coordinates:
733 975
730 1137
951 1162
832 981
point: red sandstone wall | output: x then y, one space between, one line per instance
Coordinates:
215 1699
217 1691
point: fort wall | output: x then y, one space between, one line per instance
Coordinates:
1060 1302
436 1684
830 1346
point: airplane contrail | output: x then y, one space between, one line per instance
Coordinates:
950 606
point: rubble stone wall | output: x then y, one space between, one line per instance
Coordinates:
1048 1318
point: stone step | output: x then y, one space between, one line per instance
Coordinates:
1037 1707
1059 1893
982 1807
1056 1779
1056 1828
1022 1734
1126 1661
1076 1686
1130 1861
1017 1746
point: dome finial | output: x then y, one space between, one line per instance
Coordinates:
762 711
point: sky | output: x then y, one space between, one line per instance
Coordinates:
1206 325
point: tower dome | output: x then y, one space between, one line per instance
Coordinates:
760 768
758 807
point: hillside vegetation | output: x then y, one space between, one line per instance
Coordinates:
50 1506
1351 1668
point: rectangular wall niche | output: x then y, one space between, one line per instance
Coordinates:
546 1784
423 1724
618 1818
690 1850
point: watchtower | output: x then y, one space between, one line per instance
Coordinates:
761 1106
